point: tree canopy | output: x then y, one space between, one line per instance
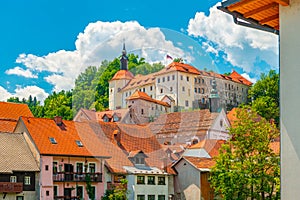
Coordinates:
247 167
264 96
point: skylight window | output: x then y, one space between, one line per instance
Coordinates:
79 143
52 140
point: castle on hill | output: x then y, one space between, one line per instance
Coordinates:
177 87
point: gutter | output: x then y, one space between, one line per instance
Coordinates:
237 17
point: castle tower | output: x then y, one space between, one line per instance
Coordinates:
120 79
214 98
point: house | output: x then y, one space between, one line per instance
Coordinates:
18 168
69 155
138 157
10 113
188 86
282 16
190 127
85 115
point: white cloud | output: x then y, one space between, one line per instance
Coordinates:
21 72
241 45
99 41
24 92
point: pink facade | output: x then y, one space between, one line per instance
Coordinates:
64 177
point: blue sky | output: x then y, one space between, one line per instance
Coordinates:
45 44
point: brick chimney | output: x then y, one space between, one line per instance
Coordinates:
58 120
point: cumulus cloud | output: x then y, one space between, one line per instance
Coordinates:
21 72
242 46
100 41
24 92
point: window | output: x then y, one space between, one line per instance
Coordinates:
46 167
55 190
140 180
20 198
151 180
158 80
203 90
161 91
173 77
151 197
118 178
151 88
140 197
181 77
79 168
161 180
161 197
168 78
142 111
187 78
139 160
126 94
52 140
195 80
144 90
163 79
203 81
221 123
195 90
79 192
93 191
171 89
225 85
199 90
186 103
27 180
79 143
47 193
189 92
13 179
92 167
183 88
203 100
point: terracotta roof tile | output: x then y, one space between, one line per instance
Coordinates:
123 74
15 154
183 124
14 110
140 80
142 95
239 78
201 163
176 66
211 146
7 125
65 135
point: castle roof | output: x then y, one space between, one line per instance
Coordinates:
142 95
123 74
176 66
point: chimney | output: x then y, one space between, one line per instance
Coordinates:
58 120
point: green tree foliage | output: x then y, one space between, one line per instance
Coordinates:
265 96
247 168
119 192
33 104
147 68
59 104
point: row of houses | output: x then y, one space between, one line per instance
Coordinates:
56 159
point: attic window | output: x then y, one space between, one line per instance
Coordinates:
79 143
52 140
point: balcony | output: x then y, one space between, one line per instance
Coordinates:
76 177
9 187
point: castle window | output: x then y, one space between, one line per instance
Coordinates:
168 78
158 80
181 77
203 90
186 103
199 90
144 89
151 88
187 78
183 88
163 79
203 81
195 90
142 111
173 77
221 123
195 80
161 90
171 89
225 85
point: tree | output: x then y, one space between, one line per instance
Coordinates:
118 192
265 96
247 168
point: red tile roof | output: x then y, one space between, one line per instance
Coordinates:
123 74
176 66
211 146
236 77
180 125
10 113
140 80
65 135
200 163
142 95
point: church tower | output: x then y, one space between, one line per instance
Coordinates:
120 79
214 98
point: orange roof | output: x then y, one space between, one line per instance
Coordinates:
183 125
123 74
14 110
7 125
236 77
140 80
264 13
65 136
200 163
176 66
211 146
142 95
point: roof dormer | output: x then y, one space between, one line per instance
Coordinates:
137 157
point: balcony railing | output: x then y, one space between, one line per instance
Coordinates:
9 187
76 177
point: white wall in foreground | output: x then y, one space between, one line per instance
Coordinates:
290 99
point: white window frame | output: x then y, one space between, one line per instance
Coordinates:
13 179
27 180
